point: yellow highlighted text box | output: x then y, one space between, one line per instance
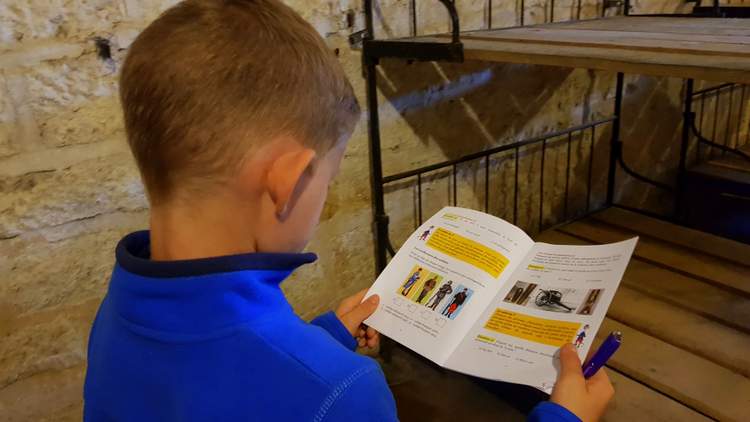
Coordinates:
485 339
539 330
469 251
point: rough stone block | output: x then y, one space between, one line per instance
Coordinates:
94 121
54 85
48 396
53 344
94 187
6 146
67 265
24 20
32 53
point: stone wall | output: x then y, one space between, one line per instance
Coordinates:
69 188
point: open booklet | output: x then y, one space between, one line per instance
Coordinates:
475 294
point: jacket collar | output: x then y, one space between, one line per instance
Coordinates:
198 295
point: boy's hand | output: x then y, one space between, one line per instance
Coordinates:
352 311
587 398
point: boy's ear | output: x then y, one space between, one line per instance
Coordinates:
285 174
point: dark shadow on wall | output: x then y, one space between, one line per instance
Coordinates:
468 107
651 134
463 108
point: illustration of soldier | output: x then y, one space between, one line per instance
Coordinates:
427 288
581 336
442 292
410 282
426 233
458 300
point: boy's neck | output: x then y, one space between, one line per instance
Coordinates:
199 231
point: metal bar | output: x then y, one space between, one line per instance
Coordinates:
615 142
711 89
515 189
414 50
493 151
729 120
688 122
567 178
376 169
716 123
591 168
455 27
721 147
541 185
665 15
552 11
642 178
626 8
455 185
739 116
523 12
702 114
712 144
419 198
413 7
489 15
486 183
578 12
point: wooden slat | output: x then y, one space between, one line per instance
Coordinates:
687 26
706 49
649 63
613 36
710 340
636 402
618 40
677 289
694 239
675 257
699 383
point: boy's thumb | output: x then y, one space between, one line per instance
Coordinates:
570 364
354 318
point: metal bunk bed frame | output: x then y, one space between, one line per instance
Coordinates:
375 49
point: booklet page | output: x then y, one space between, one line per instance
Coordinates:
558 295
444 277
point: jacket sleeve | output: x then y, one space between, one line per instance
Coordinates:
364 396
331 323
551 412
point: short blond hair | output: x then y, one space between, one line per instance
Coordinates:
209 79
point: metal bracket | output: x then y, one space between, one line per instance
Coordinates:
414 50
356 38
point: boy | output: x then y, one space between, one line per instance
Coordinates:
238 116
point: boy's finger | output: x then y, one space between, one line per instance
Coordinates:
353 319
353 300
600 384
371 332
372 342
357 297
570 363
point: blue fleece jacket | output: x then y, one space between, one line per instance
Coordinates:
215 340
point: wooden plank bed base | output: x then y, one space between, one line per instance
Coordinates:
713 49
684 309
679 259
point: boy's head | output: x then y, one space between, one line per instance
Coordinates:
238 100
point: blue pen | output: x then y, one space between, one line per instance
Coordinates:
602 355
